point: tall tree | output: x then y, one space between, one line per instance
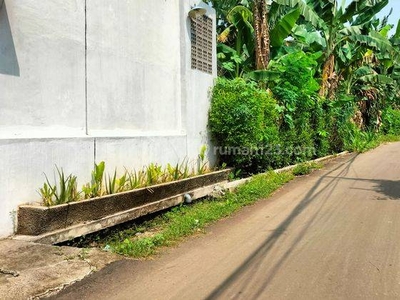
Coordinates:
262 37
339 26
249 32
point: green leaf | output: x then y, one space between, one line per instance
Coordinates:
364 10
239 16
309 37
385 30
306 11
99 171
374 40
372 8
350 30
397 34
262 75
226 49
376 78
284 27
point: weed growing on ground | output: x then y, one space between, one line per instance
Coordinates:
364 141
186 220
306 168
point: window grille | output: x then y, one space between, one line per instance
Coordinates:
202 40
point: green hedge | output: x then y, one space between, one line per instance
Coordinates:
243 121
254 132
391 121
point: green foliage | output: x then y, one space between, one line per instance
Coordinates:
154 174
202 161
142 247
306 168
284 27
295 91
243 119
185 220
391 121
236 42
173 172
111 183
95 187
135 179
63 190
322 124
301 125
361 141
338 66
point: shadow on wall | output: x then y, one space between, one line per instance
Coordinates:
8 57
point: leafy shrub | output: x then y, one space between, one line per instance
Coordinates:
322 123
243 119
306 168
391 121
342 129
296 92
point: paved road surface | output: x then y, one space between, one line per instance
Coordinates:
332 235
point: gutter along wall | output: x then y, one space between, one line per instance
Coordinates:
95 80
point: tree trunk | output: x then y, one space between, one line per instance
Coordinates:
261 29
327 74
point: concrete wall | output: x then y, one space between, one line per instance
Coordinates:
114 84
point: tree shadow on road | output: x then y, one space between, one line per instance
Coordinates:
389 189
237 279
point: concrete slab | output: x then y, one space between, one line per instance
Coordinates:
29 270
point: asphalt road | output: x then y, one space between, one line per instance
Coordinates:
332 235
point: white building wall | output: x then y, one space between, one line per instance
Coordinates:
134 60
131 98
42 67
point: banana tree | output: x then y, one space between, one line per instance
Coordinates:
262 36
251 30
340 26
236 41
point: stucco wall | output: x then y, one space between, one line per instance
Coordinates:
115 85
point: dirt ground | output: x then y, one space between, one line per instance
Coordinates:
29 270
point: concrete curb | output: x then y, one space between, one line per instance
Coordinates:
69 233
62 235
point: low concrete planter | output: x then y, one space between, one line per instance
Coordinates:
37 220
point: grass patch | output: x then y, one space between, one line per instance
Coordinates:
365 141
388 138
306 168
145 239
185 220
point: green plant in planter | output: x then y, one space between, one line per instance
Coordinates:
63 191
95 187
135 179
184 169
172 173
116 185
202 161
154 174
46 193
